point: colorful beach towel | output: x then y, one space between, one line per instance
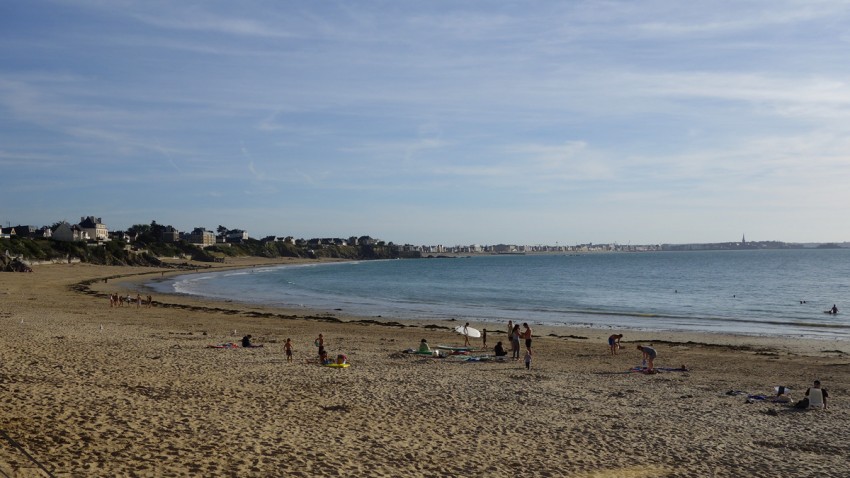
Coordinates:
228 345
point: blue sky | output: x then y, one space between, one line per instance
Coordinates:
438 122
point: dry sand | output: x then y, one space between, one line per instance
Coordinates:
89 390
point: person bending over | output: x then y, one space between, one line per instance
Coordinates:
649 355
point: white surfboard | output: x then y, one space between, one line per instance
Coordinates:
475 333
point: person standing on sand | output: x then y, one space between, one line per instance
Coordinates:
484 338
287 348
649 355
466 335
526 334
510 328
528 359
515 342
614 343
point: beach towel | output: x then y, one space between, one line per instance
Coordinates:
228 345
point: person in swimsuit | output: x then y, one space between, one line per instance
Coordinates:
526 334
466 335
287 347
614 343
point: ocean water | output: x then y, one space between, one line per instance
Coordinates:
739 292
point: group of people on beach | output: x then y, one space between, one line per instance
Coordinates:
117 300
514 336
649 353
247 342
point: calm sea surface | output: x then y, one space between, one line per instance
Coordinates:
741 292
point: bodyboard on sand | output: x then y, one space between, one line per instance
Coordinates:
337 365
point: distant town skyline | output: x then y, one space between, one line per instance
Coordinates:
92 228
431 122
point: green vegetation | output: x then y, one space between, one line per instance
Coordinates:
147 250
108 253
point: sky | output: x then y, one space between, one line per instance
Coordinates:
431 122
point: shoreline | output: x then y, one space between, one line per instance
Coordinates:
799 343
94 391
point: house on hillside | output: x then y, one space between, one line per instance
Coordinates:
24 231
170 234
94 228
200 237
43 232
69 233
7 232
237 236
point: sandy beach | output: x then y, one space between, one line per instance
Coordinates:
93 390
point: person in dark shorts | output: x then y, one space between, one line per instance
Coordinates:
287 347
614 343
649 355
526 334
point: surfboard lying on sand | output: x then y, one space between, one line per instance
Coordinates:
454 349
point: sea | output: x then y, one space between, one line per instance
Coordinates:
748 292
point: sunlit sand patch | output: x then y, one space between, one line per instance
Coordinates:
640 471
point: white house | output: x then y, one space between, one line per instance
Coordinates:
94 228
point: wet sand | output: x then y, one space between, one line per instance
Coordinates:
89 390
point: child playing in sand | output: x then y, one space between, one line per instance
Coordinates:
528 359
287 347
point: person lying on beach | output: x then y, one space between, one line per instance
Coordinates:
499 350
246 342
649 355
424 347
783 394
614 343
